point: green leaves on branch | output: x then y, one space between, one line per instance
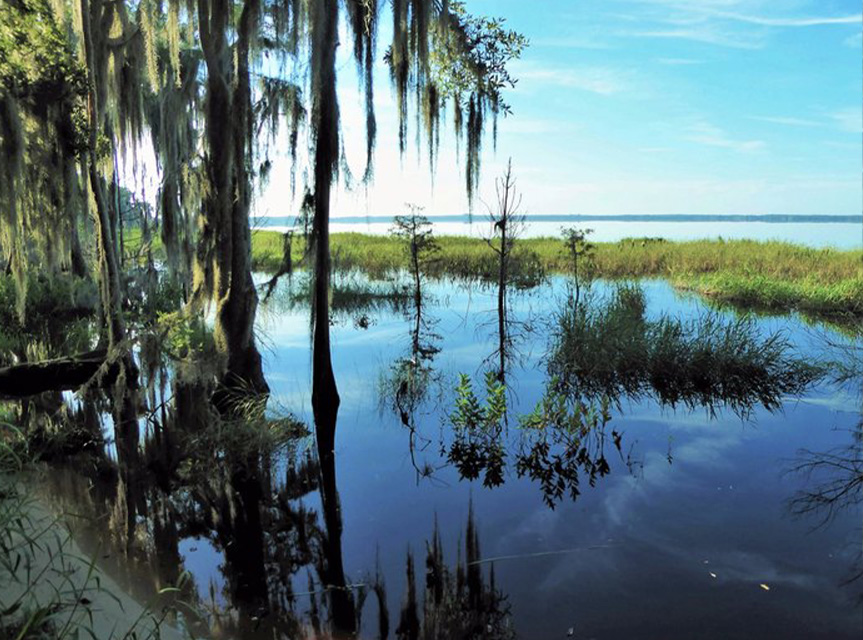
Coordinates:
478 428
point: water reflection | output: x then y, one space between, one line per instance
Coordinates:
603 351
279 533
609 347
266 509
457 603
405 386
834 478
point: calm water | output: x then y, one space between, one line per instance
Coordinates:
675 542
842 232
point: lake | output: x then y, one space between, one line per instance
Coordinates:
690 531
843 232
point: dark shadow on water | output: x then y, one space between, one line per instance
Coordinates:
247 518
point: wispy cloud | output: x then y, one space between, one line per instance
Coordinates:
534 126
679 61
806 21
601 80
712 136
849 119
572 42
706 35
790 121
729 23
854 41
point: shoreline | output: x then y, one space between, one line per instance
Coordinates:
767 275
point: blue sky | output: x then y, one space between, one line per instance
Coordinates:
647 106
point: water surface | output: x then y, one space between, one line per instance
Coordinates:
843 232
679 539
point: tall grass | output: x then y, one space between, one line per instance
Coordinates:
771 275
609 348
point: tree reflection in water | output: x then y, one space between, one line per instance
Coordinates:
605 350
404 388
249 493
459 603
835 477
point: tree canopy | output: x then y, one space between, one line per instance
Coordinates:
209 85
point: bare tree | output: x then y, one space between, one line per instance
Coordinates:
507 225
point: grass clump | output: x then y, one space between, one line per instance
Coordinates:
610 348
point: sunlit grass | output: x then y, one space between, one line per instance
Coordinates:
771 275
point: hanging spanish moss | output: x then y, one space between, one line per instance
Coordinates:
41 132
448 57
212 83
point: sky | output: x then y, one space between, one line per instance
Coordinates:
641 107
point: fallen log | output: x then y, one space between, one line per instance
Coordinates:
62 374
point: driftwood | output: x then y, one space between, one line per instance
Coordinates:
62 374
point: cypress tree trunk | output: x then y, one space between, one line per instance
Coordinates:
77 263
224 255
238 309
325 395
501 302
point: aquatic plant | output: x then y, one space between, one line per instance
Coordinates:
610 347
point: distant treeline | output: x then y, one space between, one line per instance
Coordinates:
288 221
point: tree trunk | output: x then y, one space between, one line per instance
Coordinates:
78 264
124 408
325 395
239 306
225 252
418 294
63 374
501 301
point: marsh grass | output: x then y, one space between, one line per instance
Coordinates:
771 275
608 347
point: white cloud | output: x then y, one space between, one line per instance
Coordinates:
794 122
855 41
809 21
527 126
730 23
706 35
602 80
849 119
711 135
679 61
